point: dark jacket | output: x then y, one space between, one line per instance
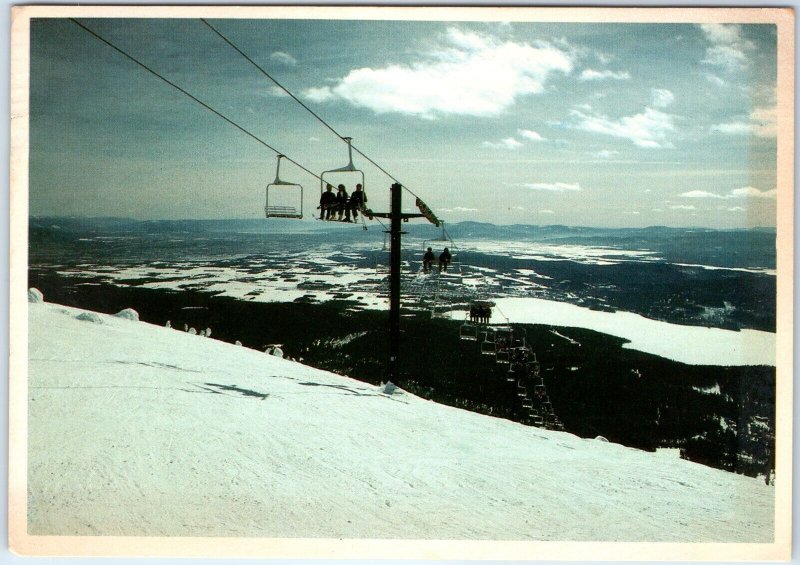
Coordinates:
327 199
358 199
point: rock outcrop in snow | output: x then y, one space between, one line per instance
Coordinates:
128 314
92 317
35 296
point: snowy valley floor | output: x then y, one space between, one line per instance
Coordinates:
141 430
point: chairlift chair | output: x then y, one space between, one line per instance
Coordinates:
503 356
526 403
488 345
287 197
348 168
468 332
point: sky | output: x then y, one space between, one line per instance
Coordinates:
617 125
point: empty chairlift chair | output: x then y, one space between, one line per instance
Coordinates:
489 344
283 199
468 332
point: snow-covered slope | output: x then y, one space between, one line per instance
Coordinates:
142 430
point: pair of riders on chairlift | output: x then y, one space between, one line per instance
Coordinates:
334 206
444 260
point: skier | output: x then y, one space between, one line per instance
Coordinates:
327 203
444 259
427 260
357 201
341 204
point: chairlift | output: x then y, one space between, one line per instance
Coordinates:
480 311
349 168
488 345
286 197
468 332
522 392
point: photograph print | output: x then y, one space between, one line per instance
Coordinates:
478 283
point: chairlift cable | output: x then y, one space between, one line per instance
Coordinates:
296 99
183 91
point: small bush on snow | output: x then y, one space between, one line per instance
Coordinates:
128 314
35 296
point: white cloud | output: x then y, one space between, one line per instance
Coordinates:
714 79
591 74
744 192
722 33
276 91
546 212
735 209
605 154
553 187
507 143
763 123
733 128
283 58
322 94
462 209
751 192
699 194
470 74
647 129
661 97
530 134
728 48
681 207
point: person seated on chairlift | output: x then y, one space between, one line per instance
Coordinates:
357 201
427 260
327 203
444 259
341 204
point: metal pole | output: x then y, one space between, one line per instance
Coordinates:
394 284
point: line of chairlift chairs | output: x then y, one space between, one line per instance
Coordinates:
508 348
512 351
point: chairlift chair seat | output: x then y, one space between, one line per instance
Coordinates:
289 197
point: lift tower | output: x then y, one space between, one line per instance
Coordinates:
396 216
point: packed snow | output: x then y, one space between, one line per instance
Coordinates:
136 429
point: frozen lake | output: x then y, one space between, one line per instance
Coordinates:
693 345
